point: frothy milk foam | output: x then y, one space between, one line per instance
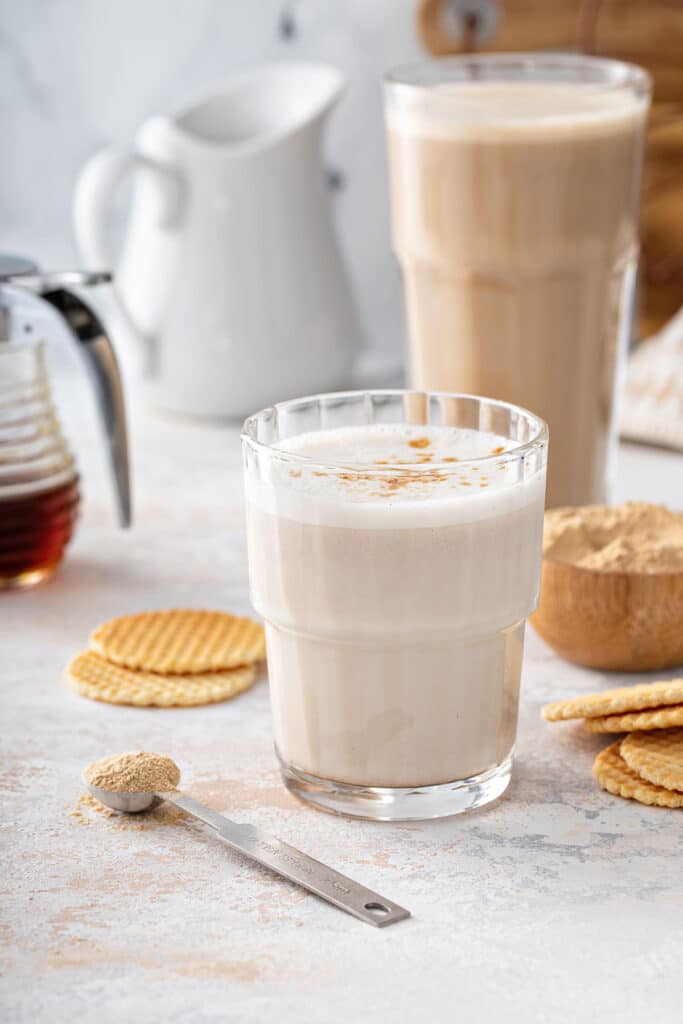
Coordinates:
514 212
394 605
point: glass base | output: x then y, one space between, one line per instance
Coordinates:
28 578
388 804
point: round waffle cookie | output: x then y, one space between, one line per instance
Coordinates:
180 641
656 756
616 702
94 677
655 718
614 775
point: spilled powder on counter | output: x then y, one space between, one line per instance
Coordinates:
86 807
86 802
138 772
635 537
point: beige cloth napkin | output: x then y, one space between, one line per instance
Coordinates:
652 409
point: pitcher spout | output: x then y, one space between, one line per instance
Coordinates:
262 105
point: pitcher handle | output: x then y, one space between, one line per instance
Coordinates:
95 189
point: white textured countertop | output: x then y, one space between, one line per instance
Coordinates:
558 903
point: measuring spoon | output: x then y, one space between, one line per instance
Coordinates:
273 853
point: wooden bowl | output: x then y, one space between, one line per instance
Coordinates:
623 621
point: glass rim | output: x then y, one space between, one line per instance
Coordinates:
616 73
539 440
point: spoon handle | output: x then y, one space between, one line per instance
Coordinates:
298 867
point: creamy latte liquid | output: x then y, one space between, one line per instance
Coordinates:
514 209
394 605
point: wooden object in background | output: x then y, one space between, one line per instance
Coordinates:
645 32
620 621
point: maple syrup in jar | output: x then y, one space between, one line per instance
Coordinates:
39 487
34 531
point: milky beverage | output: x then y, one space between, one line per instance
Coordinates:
514 210
394 606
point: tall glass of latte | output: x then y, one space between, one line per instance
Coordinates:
514 190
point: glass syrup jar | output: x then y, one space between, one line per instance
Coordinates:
39 483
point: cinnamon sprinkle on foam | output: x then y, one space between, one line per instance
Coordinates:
395 463
394 483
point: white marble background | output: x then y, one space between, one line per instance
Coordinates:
78 74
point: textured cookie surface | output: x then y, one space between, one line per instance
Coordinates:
614 702
654 718
656 756
93 676
616 777
180 640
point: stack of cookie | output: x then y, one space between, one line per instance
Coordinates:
646 765
180 657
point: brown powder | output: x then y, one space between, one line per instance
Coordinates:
635 537
87 809
87 802
138 772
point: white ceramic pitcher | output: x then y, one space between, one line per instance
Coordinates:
230 272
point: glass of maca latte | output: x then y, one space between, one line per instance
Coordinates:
515 185
394 542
